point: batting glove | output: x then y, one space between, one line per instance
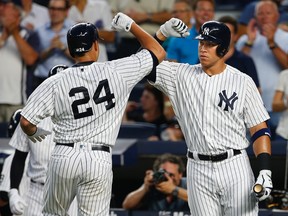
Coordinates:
16 202
175 28
265 180
39 135
122 21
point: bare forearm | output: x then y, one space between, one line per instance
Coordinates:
27 127
28 54
134 199
182 194
148 42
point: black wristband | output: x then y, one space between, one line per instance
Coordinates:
158 40
264 161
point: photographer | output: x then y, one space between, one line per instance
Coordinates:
164 188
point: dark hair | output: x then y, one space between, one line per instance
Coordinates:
230 20
167 157
67 3
157 94
195 3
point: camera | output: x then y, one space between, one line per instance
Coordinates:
159 176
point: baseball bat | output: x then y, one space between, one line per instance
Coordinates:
258 190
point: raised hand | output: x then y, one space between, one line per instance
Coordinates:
175 28
122 22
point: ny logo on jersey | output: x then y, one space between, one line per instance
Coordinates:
229 102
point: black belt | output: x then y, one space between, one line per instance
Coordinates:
94 148
36 182
214 158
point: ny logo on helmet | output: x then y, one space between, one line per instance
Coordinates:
207 31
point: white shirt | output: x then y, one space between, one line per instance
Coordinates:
282 128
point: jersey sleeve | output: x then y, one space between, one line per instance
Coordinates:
19 140
40 102
254 109
135 67
166 77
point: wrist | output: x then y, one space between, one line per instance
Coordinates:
264 161
175 191
149 17
249 43
272 45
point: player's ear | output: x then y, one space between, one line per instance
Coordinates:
96 46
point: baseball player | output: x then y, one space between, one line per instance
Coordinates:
86 105
5 174
37 167
214 103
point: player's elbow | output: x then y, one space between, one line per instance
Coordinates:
160 54
26 125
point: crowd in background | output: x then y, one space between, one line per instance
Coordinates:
33 40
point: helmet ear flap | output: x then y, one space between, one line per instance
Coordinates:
221 50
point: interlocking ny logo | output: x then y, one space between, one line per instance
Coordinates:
229 102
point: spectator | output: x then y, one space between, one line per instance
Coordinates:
16 53
50 40
280 104
170 131
164 188
99 13
150 109
150 14
268 47
182 10
34 15
180 49
249 12
238 59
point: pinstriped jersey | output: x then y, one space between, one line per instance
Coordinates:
39 153
86 102
213 111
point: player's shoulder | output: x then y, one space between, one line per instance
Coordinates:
237 74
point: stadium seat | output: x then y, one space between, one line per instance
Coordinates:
3 129
136 130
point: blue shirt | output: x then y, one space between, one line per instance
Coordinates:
42 39
156 201
249 12
245 64
184 50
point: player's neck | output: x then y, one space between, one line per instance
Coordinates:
215 69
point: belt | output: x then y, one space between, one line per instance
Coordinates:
94 148
214 158
36 182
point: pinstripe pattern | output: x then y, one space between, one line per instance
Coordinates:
90 172
5 177
39 155
208 129
86 104
213 112
210 188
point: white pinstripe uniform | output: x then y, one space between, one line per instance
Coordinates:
5 177
86 103
37 167
213 112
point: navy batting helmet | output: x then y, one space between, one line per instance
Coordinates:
57 68
218 33
80 38
14 121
